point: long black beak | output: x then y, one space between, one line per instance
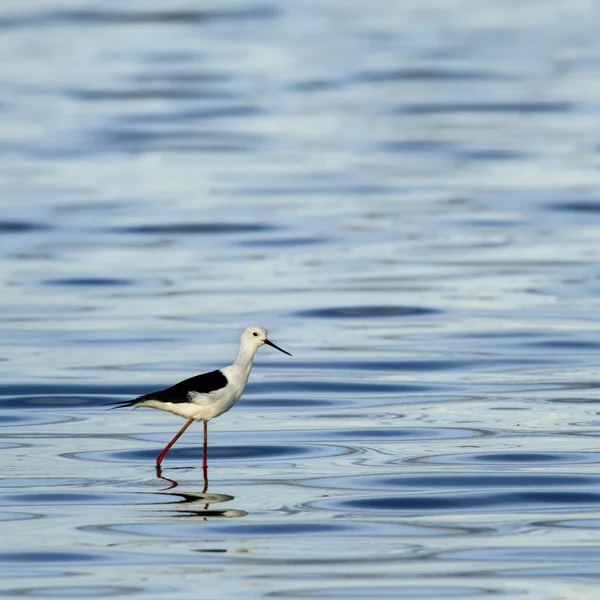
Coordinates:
268 343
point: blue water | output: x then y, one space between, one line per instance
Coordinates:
405 194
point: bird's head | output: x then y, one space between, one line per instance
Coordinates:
256 335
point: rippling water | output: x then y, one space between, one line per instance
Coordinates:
405 194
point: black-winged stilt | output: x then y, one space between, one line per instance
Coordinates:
206 396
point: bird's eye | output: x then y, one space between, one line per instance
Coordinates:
254 333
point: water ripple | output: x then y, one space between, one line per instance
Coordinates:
30 419
512 458
338 387
191 530
381 591
196 228
524 108
22 227
242 453
364 312
589 207
67 498
95 17
478 481
421 503
17 516
428 74
89 282
75 591
395 433
570 554
182 139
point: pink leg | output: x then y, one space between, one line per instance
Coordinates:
205 454
205 474
168 446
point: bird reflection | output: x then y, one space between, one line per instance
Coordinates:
196 504
174 484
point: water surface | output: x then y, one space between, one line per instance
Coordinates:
405 194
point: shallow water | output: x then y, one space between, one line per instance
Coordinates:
405 194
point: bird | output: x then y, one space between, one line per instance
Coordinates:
209 395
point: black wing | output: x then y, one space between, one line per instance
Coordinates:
203 384
178 393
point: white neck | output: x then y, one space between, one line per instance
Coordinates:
245 356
